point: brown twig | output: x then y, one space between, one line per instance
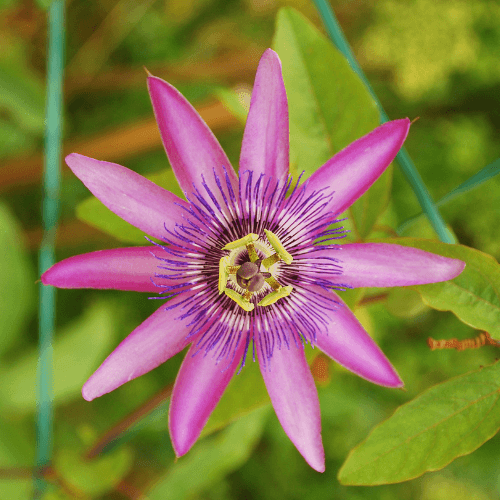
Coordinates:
461 345
69 234
373 299
128 422
46 472
96 50
130 491
116 144
16 472
386 229
51 475
228 69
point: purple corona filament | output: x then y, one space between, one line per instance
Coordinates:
194 255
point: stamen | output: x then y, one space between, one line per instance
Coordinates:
278 247
272 259
251 252
273 297
273 283
249 238
223 274
241 301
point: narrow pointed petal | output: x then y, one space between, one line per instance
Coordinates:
118 269
354 169
129 195
385 265
198 388
347 342
295 400
265 147
157 339
191 147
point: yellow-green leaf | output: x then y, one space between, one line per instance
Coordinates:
474 295
445 422
94 213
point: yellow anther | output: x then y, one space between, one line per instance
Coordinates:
273 283
275 296
249 238
247 295
278 247
223 274
269 261
244 304
252 254
232 269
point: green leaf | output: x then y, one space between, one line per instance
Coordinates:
234 102
96 476
78 350
364 213
484 175
474 295
245 393
166 179
16 489
329 107
405 302
21 93
13 139
211 459
44 4
17 278
17 445
94 213
445 422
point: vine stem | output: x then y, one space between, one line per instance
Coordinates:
407 166
50 214
128 422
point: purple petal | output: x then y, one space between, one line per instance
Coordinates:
265 145
354 169
295 400
385 265
154 341
197 390
119 269
347 342
192 149
129 195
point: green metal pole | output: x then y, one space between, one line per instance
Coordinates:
407 166
50 213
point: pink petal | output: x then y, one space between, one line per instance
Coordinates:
197 390
347 342
385 265
192 149
354 169
129 195
295 400
154 341
119 269
265 146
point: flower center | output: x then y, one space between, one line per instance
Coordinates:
253 272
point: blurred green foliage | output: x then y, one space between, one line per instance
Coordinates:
436 60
